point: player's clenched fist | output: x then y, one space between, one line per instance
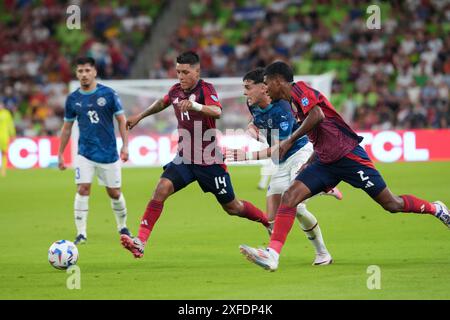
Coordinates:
133 121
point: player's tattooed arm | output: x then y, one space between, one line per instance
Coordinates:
155 107
314 117
66 132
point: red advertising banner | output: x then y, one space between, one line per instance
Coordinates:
156 150
36 152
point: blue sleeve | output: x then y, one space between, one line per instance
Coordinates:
284 119
117 104
69 112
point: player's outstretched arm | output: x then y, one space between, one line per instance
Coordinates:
157 106
314 117
208 110
66 132
122 121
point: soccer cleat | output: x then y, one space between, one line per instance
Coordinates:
134 245
335 192
322 259
270 228
125 231
80 239
442 213
261 257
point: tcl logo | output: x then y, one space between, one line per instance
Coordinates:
391 146
149 150
25 153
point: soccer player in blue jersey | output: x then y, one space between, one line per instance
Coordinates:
274 121
95 106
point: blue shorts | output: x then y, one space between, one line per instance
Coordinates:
211 178
355 168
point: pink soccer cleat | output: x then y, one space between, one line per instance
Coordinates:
134 245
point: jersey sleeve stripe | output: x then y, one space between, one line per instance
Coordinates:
69 119
119 112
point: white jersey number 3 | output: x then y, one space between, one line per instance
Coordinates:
93 116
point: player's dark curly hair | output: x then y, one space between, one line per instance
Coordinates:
256 75
281 69
85 60
188 57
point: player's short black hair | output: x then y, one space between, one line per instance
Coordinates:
85 60
188 57
256 75
281 69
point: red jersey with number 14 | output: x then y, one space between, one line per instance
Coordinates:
197 132
332 138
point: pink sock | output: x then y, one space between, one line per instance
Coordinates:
151 215
253 213
416 205
283 223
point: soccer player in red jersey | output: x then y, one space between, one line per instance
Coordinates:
198 158
337 157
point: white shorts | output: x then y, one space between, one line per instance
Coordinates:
287 171
108 174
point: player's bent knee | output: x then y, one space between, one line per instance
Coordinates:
288 199
163 190
84 190
114 193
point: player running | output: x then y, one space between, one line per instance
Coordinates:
338 157
196 107
95 106
7 131
275 121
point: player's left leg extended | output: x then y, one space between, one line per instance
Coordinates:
359 171
412 204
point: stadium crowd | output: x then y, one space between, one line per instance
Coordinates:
37 51
394 77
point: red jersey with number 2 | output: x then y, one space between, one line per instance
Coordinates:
332 138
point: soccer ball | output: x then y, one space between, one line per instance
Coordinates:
62 254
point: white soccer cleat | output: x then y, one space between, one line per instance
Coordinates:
335 192
442 213
262 257
322 259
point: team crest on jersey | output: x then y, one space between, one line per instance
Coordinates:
214 98
101 101
305 101
192 98
284 125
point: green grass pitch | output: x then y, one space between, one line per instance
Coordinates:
193 251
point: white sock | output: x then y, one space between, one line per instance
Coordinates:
120 211
81 207
310 226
